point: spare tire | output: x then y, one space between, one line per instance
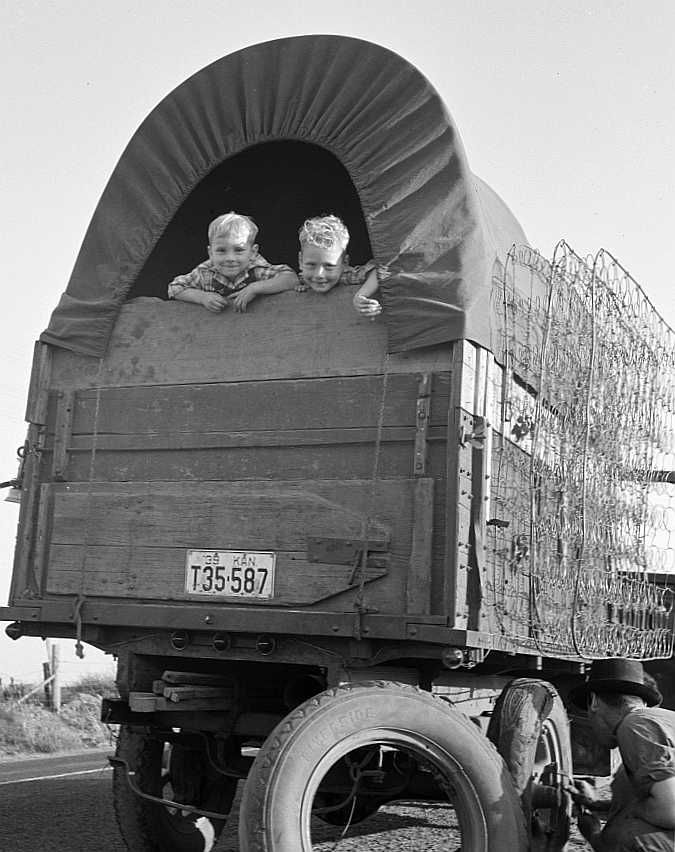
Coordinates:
530 728
279 794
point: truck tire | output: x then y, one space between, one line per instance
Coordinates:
276 806
147 826
530 728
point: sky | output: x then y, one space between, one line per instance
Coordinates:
565 109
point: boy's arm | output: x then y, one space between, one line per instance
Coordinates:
285 280
188 288
362 302
211 301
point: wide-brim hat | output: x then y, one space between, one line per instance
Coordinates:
617 676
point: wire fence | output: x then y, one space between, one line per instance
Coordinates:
583 460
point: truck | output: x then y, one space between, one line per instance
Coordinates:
343 562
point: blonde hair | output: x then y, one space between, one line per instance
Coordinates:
235 224
324 232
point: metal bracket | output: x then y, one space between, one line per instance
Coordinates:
422 416
343 551
476 437
62 434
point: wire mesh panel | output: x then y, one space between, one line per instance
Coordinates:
583 455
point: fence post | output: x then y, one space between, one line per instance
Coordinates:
47 684
56 684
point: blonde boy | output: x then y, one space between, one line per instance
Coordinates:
235 273
324 263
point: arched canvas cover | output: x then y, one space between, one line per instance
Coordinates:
437 227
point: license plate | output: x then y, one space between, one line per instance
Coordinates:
230 573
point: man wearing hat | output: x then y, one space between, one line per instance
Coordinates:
622 705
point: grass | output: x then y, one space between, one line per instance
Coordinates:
30 728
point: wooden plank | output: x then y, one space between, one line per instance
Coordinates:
142 702
418 581
195 704
42 536
204 514
438 549
340 402
22 584
38 388
347 461
159 573
181 694
227 440
290 334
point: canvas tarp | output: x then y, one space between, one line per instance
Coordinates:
436 226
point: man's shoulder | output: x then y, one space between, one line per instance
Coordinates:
657 713
645 719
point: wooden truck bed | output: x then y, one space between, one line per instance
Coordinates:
288 431
285 429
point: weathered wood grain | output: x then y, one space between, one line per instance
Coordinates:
337 403
226 440
289 334
197 411
131 539
345 461
40 382
201 514
158 573
418 579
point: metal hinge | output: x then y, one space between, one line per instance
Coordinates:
422 416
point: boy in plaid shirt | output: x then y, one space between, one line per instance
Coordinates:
324 263
235 273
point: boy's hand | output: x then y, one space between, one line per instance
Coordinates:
214 302
242 297
366 307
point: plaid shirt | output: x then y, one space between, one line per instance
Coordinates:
356 275
208 278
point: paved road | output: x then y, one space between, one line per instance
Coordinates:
14 770
64 804
70 813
